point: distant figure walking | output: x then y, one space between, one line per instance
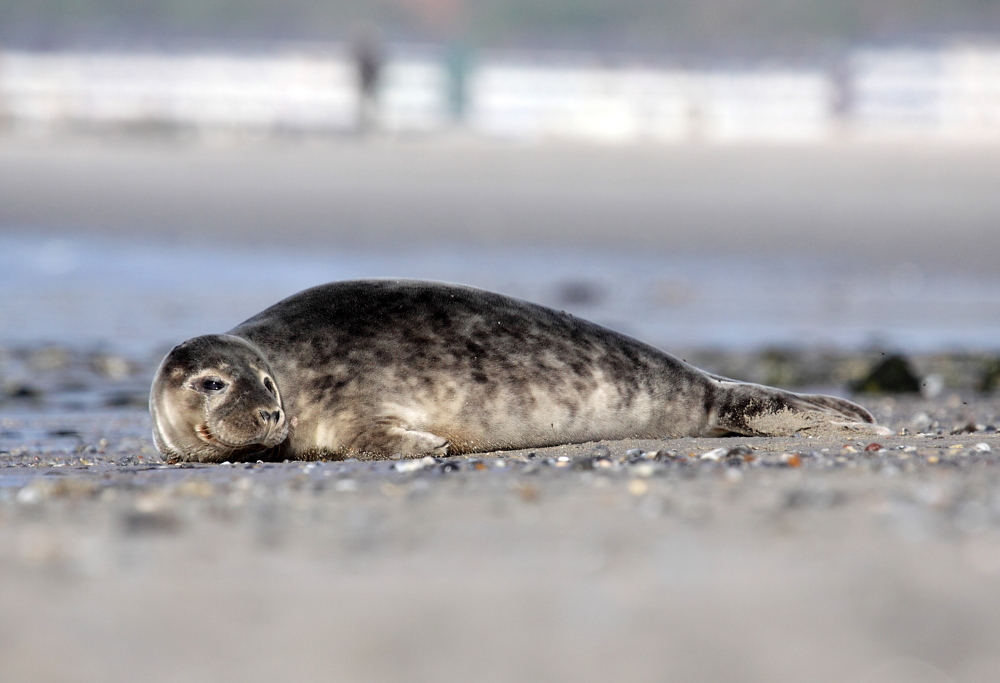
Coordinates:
366 48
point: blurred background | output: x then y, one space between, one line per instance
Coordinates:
780 192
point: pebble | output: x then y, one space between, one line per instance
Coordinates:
638 487
982 448
646 469
791 459
414 465
714 455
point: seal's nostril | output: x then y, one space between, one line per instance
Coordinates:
266 415
276 416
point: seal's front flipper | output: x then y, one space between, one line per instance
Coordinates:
390 437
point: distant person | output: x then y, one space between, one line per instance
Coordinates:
366 49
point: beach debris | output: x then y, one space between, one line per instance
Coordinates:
982 447
892 375
874 447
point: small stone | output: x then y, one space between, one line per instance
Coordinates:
529 493
967 428
638 487
196 488
414 465
49 359
791 459
114 368
34 492
982 448
646 469
600 451
874 447
713 455
739 455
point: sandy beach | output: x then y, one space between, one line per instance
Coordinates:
769 559
829 557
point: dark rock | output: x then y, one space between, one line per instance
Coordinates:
892 375
24 392
158 522
126 399
990 379
580 293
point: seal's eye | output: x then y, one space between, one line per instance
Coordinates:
269 385
212 384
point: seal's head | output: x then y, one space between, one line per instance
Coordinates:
214 398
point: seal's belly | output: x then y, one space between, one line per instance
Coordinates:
476 416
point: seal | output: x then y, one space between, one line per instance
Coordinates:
382 367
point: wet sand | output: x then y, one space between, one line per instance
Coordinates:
876 204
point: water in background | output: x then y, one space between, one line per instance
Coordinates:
138 298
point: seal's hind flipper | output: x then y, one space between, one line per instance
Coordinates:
755 410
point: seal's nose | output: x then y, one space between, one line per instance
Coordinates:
272 417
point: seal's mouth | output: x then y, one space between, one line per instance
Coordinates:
206 435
